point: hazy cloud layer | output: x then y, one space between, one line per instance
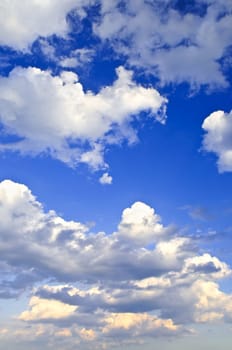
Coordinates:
142 281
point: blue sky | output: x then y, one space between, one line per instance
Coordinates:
115 181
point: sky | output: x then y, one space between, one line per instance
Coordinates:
116 174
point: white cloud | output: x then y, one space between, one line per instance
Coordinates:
47 309
140 224
212 304
137 324
69 62
77 57
141 281
106 179
24 21
218 138
47 240
206 263
174 46
53 114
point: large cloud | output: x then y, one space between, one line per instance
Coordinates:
141 248
24 21
176 41
142 281
218 138
47 240
54 114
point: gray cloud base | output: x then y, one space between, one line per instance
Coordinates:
129 289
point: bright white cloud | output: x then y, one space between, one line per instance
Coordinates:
174 46
106 179
24 21
53 114
140 224
218 138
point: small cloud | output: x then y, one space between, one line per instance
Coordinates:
106 179
77 58
217 138
69 62
42 309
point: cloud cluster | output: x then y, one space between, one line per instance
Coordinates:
22 22
173 41
176 41
142 281
53 114
47 240
218 138
80 289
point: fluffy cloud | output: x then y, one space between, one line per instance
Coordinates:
140 224
106 179
218 138
23 22
176 43
47 240
142 281
137 325
54 114
47 309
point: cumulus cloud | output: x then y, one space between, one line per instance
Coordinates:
142 281
217 139
53 114
175 43
106 179
47 309
140 224
137 325
47 240
23 22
